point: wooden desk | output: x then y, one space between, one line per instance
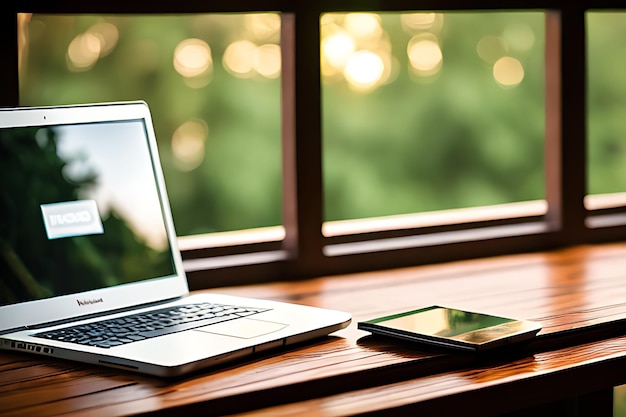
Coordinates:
578 294
573 381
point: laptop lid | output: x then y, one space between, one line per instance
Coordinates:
85 223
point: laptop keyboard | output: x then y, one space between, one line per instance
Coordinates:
141 326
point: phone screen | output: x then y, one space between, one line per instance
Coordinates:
441 321
453 328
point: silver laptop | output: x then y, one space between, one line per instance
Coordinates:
89 265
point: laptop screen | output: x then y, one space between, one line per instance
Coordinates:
79 210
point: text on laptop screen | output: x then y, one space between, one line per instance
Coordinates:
79 210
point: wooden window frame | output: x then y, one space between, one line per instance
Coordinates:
304 246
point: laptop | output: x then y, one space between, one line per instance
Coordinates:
89 265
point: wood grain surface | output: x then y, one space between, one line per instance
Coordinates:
578 294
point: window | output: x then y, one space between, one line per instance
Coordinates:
314 228
426 112
606 106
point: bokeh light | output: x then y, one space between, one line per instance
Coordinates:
255 52
363 25
87 48
490 48
263 26
425 55
364 70
83 52
508 71
188 144
337 48
108 35
238 58
192 58
356 49
267 60
412 22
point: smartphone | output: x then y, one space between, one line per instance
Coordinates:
453 328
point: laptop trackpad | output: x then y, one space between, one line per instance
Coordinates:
243 328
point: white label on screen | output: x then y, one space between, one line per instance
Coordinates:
72 218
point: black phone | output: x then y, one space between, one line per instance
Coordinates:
453 328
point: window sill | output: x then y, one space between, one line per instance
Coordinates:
437 218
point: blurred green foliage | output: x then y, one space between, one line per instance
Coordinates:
454 139
606 61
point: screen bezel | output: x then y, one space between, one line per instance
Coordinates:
31 313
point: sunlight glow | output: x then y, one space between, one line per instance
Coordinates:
364 70
363 25
356 49
337 48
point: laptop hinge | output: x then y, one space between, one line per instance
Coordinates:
16 329
96 315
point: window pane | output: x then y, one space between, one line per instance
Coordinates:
606 60
212 83
431 111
